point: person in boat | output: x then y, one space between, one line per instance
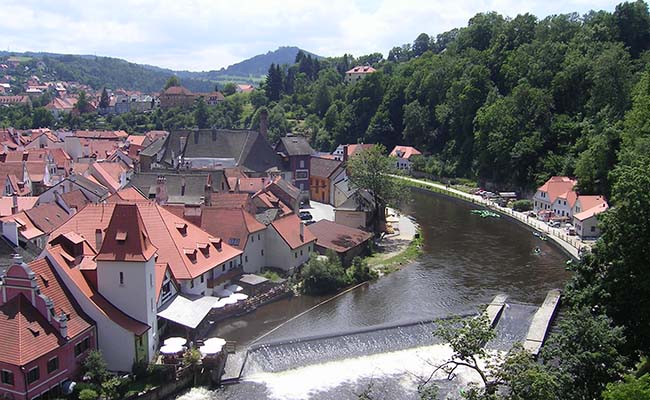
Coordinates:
537 250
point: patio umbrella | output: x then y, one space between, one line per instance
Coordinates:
175 341
239 296
223 293
235 288
216 341
171 349
218 304
210 349
229 300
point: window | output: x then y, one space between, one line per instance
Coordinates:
166 290
7 377
150 280
301 252
121 278
246 259
151 302
262 251
309 249
33 375
295 255
252 239
302 163
52 365
593 229
223 268
81 347
191 283
230 265
202 278
258 236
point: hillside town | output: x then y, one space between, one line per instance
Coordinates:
466 217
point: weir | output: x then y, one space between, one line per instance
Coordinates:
511 322
541 322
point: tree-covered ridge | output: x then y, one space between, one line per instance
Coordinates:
508 100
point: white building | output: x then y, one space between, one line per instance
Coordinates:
289 244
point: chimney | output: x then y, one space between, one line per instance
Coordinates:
302 231
345 153
63 325
207 196
264 123
99 238
17 259
14 204
161 190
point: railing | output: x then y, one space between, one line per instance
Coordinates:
225 277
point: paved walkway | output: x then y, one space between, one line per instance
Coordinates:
571 244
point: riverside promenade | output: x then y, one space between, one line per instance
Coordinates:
570 244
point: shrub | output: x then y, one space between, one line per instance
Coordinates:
359 271
88 394
95 367
323 275
522 205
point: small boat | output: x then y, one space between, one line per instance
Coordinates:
537 251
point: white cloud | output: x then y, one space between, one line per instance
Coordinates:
209 34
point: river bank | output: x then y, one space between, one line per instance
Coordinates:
571 245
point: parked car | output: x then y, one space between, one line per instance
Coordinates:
305 215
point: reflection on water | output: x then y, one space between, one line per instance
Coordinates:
466 261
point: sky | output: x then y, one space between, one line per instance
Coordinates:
201 35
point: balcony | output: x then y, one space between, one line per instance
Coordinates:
225 277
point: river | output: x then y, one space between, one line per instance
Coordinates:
466 261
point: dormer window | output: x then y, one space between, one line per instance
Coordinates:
182 228
120 236
191 254
216 242
205 248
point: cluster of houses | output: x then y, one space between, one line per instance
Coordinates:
557 202
109 240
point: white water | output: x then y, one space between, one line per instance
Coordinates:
407 367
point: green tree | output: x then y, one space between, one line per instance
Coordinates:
104 101
172 81
631 388
229 89
370 170
88 394
633 23
82 105
94 367
322 275
42 118
201 113
192 359
421 44
273 84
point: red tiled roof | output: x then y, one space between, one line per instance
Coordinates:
289 229
26 227
361 69
230 200
110 135
128 194
251 185
590 206
405 152
354 149
337 237
163 234
137 140
51 285
556 186
26 333
24 203
232 225
126 238
75 199
177 90
48 216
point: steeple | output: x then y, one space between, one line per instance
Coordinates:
126 238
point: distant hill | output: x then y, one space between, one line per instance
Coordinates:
114 73
253 67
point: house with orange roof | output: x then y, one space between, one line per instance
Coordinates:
357 73
403 156
555 196
45 333
244 88
130 264
585 215
43 138
345 151
10 205
31 227
112 175
289 243
61 105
